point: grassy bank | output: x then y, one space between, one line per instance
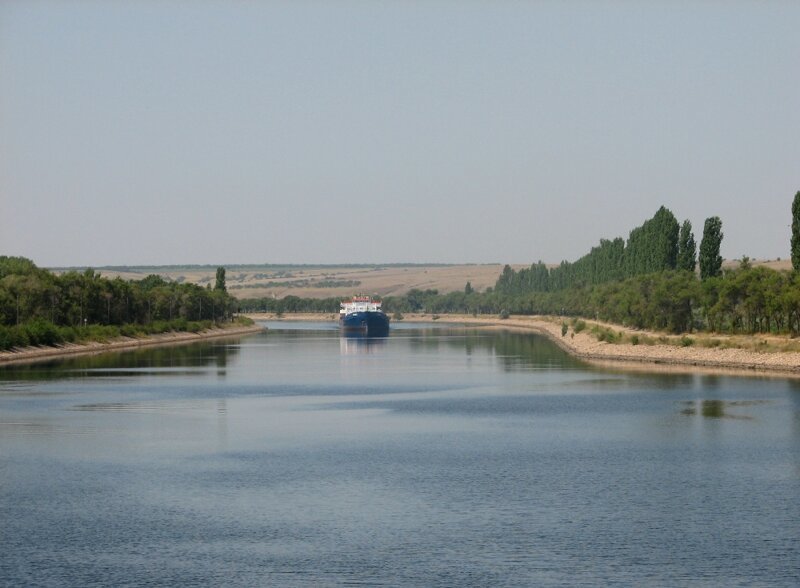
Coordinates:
40 332
31 354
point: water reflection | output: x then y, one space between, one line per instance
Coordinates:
360 344
174 360
719 409
516 351
308 466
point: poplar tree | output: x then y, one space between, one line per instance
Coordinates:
687 249
796 232
710 259
220 284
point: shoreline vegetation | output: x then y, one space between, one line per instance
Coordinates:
28 355
656 298
44 315
607 344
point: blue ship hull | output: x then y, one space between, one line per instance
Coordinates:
375 324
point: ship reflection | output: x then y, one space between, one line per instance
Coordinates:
360 344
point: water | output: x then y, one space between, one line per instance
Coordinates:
436 457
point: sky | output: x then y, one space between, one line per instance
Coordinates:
157 132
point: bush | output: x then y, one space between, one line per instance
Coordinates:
634 339
564 329
158 327
68 334
397 316
686 341
130 331
504 314
42 332
6 338
579 326
606 335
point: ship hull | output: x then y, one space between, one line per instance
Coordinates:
375 324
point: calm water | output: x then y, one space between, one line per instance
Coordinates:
435 457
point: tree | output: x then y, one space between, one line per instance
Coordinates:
687 249
796 232
468 289
220 284
710 260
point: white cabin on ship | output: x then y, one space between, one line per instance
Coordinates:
360 304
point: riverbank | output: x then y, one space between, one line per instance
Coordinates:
732 353
35 354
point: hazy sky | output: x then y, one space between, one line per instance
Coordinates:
156 132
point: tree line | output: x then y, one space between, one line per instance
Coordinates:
659 244
650 282
40 307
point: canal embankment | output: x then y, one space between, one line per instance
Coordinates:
35 354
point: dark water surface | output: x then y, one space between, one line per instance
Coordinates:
435 457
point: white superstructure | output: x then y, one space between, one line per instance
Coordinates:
360 304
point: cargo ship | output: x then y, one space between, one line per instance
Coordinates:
363 315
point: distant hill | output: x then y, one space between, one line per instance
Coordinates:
319 281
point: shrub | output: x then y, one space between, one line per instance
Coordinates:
504 314
579 326
564 328
606 335
634 339
397 316
130 331
42 332
69 334
686 341
6 339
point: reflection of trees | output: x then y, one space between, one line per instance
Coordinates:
515 350
201 354
713 409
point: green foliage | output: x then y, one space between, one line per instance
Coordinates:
42 332
38 307
564 328
468 289
795 241
579 326
687 250
651 247
19 266
220 281
710 259
604 334
686 341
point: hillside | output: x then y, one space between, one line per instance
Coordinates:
321 281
